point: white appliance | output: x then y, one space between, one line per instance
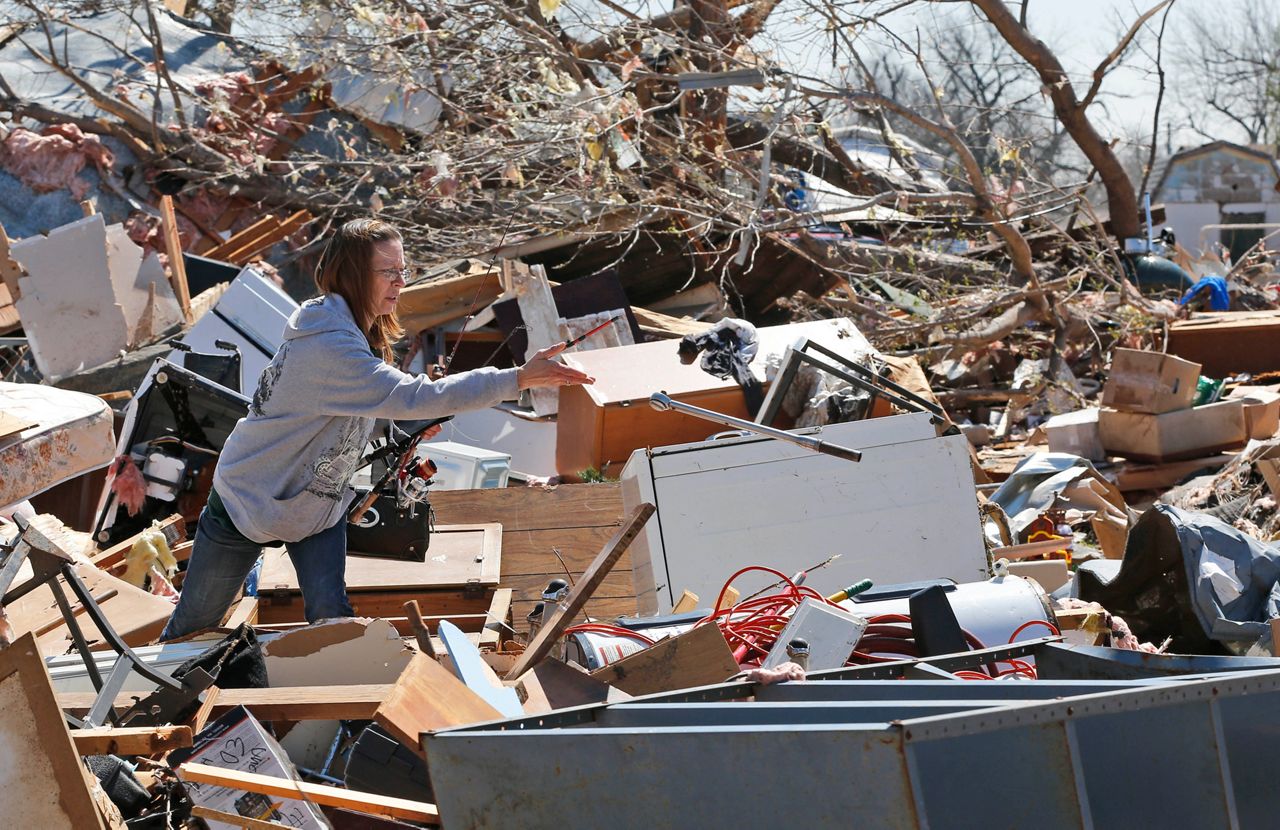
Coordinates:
908 511
460 467
252 313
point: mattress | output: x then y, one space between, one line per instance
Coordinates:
67 434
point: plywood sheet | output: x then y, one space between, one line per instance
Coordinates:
44 785
68 306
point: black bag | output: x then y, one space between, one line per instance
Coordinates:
387 532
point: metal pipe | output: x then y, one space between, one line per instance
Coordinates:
663 403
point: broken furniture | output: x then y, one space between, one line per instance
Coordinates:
600 425
459 580
38 545
737 501
853 747
48 436
545 531
1227 342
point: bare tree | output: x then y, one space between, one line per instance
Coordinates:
1228 69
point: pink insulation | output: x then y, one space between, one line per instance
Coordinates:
51 159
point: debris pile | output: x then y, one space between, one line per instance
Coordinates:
849 493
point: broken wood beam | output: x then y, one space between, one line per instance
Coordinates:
173 249
357 702
565 613
379 805
130 740
427 697
200 811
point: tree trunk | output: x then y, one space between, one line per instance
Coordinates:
1122 201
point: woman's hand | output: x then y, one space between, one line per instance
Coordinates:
431 432
543 370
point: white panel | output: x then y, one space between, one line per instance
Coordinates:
907 511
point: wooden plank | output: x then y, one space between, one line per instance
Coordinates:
534 551
245 252
200 811
497 626
688 602
427 697
582 591
45 785
202 715
1131 476
238 240
273 610
430 303
173 249
317 793
130 740
244 612
698 657
533 508
357 702
553 684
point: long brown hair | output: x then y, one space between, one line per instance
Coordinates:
345 269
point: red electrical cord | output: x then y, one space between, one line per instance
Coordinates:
605 628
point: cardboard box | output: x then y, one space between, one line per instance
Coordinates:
236 741
1149 382
1261 410
1076 433
1187 433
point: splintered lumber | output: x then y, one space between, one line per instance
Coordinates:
173 250
200 811
357 702
427 697
699 657
439 300
130 740
553 628
45 785
379 805
553 684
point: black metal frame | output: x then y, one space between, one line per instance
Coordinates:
170 697
857 375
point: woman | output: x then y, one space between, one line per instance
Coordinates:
283 473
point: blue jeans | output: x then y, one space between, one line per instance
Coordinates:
222 557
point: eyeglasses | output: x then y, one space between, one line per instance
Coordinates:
391 274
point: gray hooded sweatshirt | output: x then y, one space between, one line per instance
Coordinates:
284 470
